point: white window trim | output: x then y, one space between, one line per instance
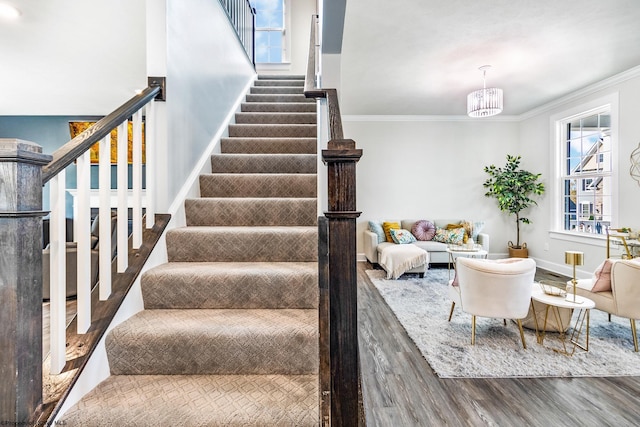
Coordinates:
556 133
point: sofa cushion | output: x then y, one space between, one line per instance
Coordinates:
423 230
402 236
453 236
387 226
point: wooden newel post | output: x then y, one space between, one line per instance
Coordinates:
20 279
341 157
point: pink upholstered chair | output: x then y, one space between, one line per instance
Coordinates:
617 294
493 288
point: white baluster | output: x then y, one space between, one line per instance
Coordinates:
136 216
123 184
83 239
150 168
57 274
104 217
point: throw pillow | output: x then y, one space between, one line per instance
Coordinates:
453 236
376 227
602 276
465 236
423 230
402 236
387 226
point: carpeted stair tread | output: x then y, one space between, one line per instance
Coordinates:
264 163
231 285
275 118
275 82
229 331
255 97
281 107
250 211
258 185
215 341
242 244
273 130
199 400
280 77
276 90
269 145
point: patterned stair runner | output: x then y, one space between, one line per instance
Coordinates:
229 333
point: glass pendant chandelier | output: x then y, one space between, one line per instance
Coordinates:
484 102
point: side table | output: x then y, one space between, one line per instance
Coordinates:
462 252
555 303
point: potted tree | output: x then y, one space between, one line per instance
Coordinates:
513 188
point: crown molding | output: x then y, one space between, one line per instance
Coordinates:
419 118
580 93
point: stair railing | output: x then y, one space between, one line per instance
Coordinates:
23 172
78 150
339 358
243 18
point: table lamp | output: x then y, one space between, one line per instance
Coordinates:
573 258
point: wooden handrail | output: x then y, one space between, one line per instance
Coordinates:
73 149
340 403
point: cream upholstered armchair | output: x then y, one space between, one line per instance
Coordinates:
493 288
615 288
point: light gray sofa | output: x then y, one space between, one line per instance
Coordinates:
437 250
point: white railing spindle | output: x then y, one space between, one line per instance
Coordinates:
57 273
123 214
150 168
136 216
83 239
104 217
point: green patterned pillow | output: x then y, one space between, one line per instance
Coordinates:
402 236
453 236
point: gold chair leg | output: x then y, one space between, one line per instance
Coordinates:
473 330
453 304
524 344
635 334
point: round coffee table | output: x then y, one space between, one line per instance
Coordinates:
555 303
462 252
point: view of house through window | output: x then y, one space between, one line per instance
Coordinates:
270 30
586 173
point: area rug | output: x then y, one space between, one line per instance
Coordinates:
422 307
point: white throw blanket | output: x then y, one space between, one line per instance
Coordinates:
397 259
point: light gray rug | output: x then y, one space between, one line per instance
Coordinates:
422 307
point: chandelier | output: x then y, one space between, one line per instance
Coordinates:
484 102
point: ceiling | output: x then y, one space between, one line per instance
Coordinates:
422 57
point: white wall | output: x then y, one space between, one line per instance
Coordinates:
207 70
536 147
430 169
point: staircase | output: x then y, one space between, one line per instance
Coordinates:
229 333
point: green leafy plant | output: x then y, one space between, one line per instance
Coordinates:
513 188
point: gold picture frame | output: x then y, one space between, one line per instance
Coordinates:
76 128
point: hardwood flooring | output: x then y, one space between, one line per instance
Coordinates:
46 330
400 389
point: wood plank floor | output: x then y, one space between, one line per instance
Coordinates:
400 388
46 321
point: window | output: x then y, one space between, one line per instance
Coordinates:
270 31
586 171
